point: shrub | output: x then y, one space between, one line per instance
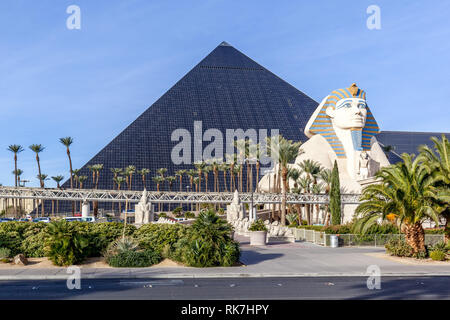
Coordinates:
11 235
5 253
162 215
398 247
64 245
102 234
258 225
338 229
207 243
120 245
178 212
33 244
437 255
315 228
155 236
189 215
134 259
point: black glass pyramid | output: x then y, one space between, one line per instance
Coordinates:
226 90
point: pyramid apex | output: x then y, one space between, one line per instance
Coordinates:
225 44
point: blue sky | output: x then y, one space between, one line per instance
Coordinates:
91 83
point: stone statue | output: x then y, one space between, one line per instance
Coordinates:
342 128
143 212
236 209
363 169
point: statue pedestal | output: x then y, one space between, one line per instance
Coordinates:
368 181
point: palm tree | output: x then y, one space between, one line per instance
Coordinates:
200 165
42 178
171 180
17 173
224 167
285 151
75 173
197 181
158 181
116 172
326 175
437 163
406 190
255 152
317 189
180 174
192 174
67 141
294 174
243 149
37 148
206 170
119 180
161 172
81 180
58 180
95 168
16 149
312 169
143 173
231 160
304 185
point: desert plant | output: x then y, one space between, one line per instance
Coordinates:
5 253
257 225
437 255
63 245
399 247
134 259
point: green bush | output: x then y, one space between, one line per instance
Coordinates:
162 215
5 253
134 259
156 236
438 255
178 212
189 215
307 227
64 245
207 243
398 247
102 234
257 225
33 244
12 235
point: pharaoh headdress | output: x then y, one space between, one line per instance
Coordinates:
320 122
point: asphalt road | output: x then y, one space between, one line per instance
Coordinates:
239 288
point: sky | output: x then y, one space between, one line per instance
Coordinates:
91 83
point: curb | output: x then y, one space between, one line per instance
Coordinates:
214 275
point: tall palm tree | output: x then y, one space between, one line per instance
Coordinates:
180 174
312 169
58 180
161 172
325 176
81 180
224 167
143 173
67 142
294 174
95 168
242 146
119 180
116 172
158 180
317 189
170 180
200 165
437 163
38 148
285 151
192 173
206 170
16 149
75 173
42 178
17 173
406 190
231 160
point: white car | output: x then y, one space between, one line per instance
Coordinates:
82 219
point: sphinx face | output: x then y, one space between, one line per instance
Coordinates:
348 113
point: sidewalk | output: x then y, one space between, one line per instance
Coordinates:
300 259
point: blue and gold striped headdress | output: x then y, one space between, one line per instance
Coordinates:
320 122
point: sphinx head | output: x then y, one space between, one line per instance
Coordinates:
344 110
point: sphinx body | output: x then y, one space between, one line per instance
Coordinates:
341 129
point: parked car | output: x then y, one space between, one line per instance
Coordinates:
6 219
42 219
82 219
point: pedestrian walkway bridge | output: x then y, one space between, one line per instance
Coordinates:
165 197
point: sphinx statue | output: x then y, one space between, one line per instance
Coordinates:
342 128
143 211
